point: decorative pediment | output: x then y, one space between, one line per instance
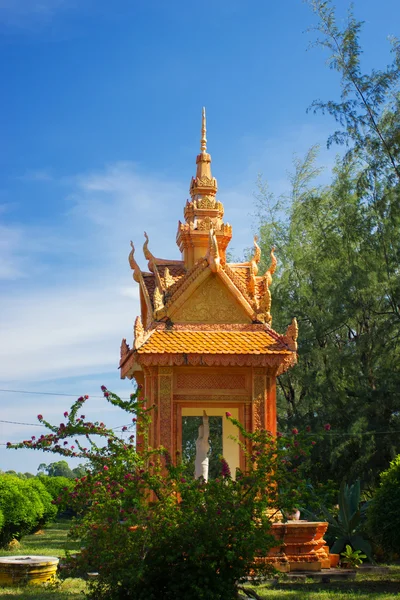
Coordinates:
211 302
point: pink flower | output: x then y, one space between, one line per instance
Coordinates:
106 394
228 414
86 397
105 468
103 388
295 431
134 420
83 417
40 417
65 443
124 428
308 428
33 437
65 414
278 434
313 443
327 427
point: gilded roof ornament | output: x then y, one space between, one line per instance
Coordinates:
272 267
124 351
138 332
168 279
158 299
256 256
133 264
147 254
213 256
290 337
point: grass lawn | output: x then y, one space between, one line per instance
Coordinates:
53 542
368 586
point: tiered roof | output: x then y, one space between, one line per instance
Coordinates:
202 307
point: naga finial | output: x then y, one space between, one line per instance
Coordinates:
212 255
147 254
203 141
256 256
272 267
291 335
133 264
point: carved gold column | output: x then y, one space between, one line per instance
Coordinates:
271 404
259 396
165 406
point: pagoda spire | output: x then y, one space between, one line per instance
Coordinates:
204 183
203 212
203 141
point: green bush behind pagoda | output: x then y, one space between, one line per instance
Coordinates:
383 516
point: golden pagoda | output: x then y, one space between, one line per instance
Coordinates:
203 340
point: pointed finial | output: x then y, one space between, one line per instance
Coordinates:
203 141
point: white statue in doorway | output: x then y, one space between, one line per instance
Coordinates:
202 448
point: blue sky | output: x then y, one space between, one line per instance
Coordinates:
100 118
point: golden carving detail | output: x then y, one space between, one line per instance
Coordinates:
158 299
212 256
204 381
211 303
290 337
133 264
138 332
168 279
273 361
272 268
124 351
165 403
256 256
259 395
264 308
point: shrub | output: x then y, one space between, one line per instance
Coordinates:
384 510
150 531
50 509
21 507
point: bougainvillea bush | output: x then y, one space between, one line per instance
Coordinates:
152 532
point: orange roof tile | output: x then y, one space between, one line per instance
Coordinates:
212 342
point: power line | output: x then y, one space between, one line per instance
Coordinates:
45 393
18 423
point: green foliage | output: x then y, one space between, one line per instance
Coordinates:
353 558
1 520
49 508
347 527
338 255
61 469
55 485
22 508
384 510
152 532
